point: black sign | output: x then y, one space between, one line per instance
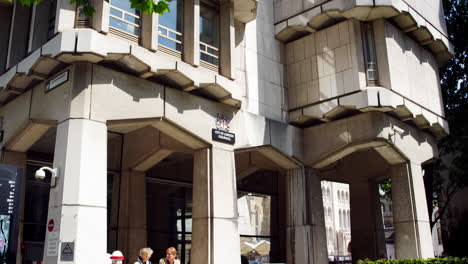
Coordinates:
223 136
11 178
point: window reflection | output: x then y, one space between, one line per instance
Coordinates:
254 226
123 17
171 26
209 34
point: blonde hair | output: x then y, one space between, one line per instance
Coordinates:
146 252
173 251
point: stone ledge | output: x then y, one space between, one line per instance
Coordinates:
89 45
398 11
372 99
245 10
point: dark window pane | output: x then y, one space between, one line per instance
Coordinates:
209 26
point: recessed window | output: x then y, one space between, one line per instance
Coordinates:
124 18
371 58
171 26
209 34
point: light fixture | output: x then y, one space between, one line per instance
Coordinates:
40 175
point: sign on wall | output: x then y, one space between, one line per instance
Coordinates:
221 132
11 179
56 81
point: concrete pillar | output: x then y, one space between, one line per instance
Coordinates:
64 16
132 224
132 233
410 217
149 31
306 236
227 37
191 47
17 159
100 19
77 204
215 235
368 239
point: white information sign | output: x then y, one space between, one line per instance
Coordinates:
52 244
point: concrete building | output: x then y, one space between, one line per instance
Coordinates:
139 113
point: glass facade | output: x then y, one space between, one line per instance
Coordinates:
123 17
169 219
170 27
209 34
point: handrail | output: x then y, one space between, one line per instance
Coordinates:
123 13
205 51
167 34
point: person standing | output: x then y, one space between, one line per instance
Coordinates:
171 257
145 255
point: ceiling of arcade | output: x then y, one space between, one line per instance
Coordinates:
366 164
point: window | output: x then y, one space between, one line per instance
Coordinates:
51 19
124 18
209 34
170 26
371 59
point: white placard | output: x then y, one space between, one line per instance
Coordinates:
56 81
52 244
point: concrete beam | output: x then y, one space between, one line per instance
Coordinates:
28 134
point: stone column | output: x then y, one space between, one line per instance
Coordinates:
215 235
132 224
227 36
100 19
410 217
191 46
64 16
149 31
306 236
18 159
132 233
77 203
368 239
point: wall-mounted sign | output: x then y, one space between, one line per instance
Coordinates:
56 81
50 225
11 178
66 251
52 244
221 132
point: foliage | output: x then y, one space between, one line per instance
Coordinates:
145 6
454 148
446 260
386 187
449 173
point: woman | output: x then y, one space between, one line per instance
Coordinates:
171 257
145 255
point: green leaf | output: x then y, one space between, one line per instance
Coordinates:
88 10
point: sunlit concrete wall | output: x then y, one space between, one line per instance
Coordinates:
259 65
323 65
411 70
431 10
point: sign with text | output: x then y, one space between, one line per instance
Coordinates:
223 136
56 81
221 132
11 178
